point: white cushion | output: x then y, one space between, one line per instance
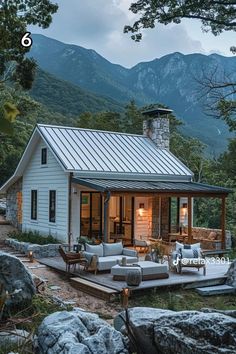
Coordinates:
191 253
105 263
179 245
112 249
149 268
96 249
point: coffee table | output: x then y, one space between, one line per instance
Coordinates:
150 270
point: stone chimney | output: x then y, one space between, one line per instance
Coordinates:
156 126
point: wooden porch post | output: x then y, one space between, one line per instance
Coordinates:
190 238
223 218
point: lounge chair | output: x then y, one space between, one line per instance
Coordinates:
187 256
143 244
71 258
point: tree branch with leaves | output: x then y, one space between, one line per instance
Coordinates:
15 16
215 16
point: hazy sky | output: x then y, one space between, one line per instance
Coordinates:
98 24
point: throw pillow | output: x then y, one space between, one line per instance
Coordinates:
191 253
112 249
212 235
96 249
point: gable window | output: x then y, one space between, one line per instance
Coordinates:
52 206
44 156
34 202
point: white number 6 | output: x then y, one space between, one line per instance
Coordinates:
26 40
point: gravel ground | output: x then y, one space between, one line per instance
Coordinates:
63 290
61 287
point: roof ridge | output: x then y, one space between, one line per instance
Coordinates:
90 130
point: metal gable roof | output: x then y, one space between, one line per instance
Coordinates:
109 152
103 185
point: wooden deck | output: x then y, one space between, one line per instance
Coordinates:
104 283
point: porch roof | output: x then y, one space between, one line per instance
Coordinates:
113 185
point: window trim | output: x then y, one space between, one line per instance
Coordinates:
44 162
50 218
34 204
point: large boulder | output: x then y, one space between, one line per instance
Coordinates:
79 332
231 275
196 332
16 280
13 337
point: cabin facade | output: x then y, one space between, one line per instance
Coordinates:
73 182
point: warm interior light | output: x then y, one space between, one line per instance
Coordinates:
183 213
141 209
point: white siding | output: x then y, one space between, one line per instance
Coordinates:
44 178
75 212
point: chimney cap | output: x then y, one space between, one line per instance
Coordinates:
157 111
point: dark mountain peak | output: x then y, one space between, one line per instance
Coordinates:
170 80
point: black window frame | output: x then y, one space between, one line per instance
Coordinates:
34 204
52 205
44 156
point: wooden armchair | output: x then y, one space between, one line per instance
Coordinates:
71 258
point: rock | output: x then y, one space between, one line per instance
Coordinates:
13 337
39 251
165 331
39 282
79 332
16 280
231 275
54 287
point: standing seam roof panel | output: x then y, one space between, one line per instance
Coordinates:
107 162
108 154
132 159
92 154
118 153
85 151
98 151
65 144
148 153
79 151
140 160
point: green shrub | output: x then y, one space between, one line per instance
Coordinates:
33 237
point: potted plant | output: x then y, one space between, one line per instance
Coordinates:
157 253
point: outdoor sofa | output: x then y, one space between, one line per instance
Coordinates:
106 255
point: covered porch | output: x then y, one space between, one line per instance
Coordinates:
111 210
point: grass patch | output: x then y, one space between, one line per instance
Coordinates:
33 237
181 300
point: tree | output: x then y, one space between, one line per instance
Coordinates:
216 15
219 92
190 151
15 16
109 121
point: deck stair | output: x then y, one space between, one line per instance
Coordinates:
216 290
93 289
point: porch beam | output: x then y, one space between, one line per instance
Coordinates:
172 194
223 220
190 237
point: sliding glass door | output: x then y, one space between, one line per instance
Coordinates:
91 211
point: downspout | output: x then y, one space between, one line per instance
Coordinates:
69 209
106 202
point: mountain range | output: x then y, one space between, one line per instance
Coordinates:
90 82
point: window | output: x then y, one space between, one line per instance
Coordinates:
34 201
52 206
44 156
